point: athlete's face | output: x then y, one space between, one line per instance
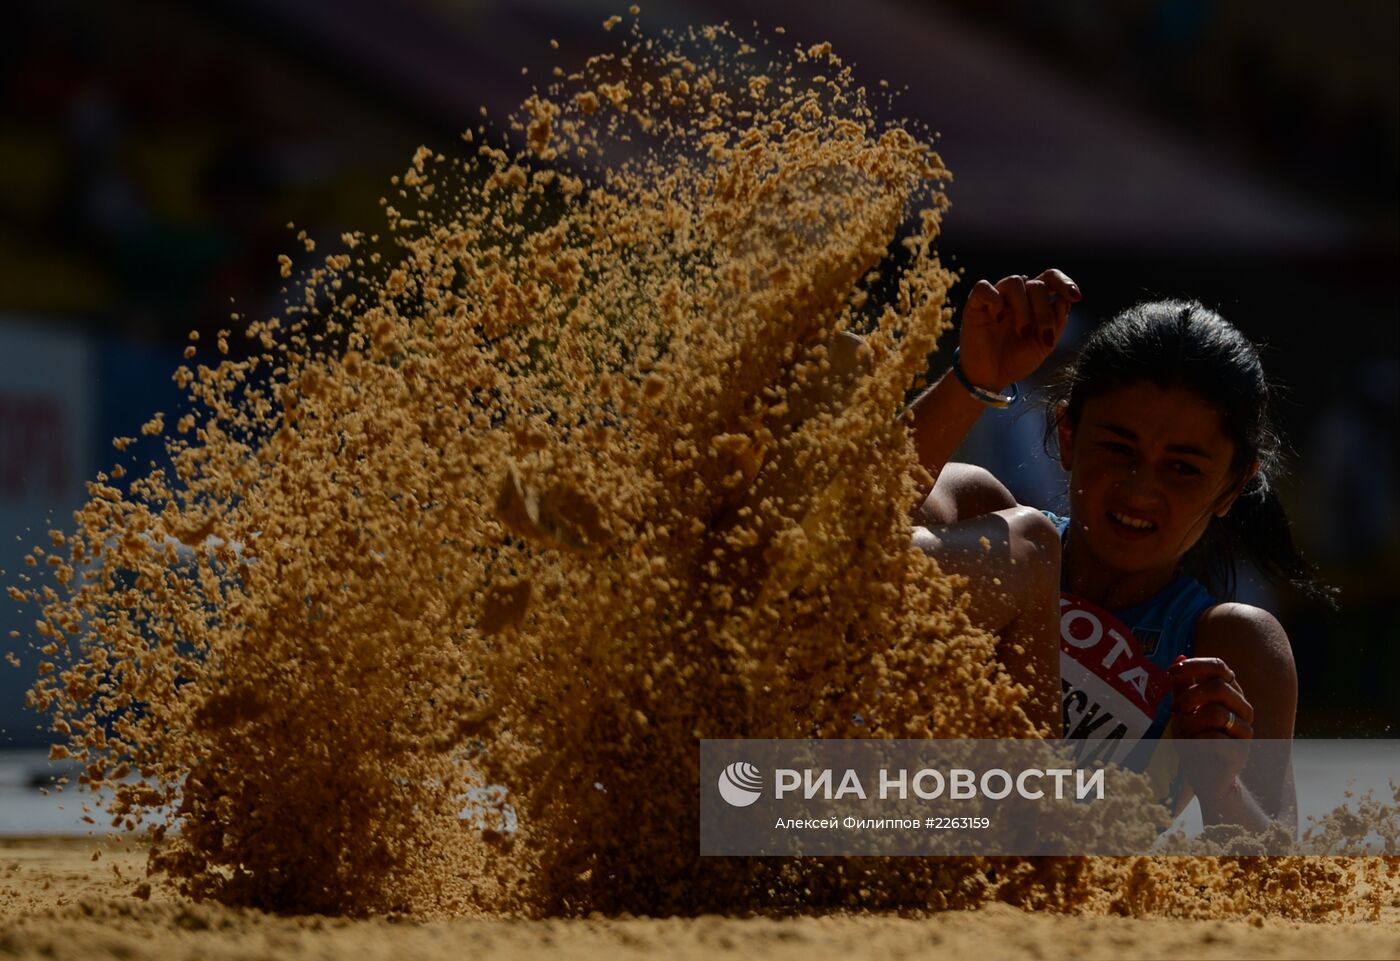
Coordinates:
1149 468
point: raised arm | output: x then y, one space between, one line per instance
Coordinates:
1008 330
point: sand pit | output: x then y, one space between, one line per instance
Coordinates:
57 903
537 487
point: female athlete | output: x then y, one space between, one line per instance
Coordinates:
1163 423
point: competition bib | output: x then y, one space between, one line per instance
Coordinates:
1111 690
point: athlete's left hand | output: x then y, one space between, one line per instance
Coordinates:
1207 700
1208 703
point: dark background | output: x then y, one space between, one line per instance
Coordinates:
1243 153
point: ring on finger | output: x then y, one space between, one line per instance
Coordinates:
1230 721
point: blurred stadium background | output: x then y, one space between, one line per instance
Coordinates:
1241 152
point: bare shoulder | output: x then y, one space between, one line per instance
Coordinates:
1244 636
1254 645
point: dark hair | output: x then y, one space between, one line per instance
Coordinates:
1178 343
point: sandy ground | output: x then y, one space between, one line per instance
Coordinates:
56 901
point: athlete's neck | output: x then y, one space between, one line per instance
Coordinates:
1108 587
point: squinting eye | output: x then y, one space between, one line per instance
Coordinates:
1113 447
1185 469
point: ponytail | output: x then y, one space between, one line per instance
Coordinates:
1257 531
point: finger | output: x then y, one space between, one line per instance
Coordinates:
984 303
1213 719
1062 306
1016 308
1043 316
1227 697
1059 283
1192 670
1213 691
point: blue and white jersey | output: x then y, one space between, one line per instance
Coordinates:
1117 695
